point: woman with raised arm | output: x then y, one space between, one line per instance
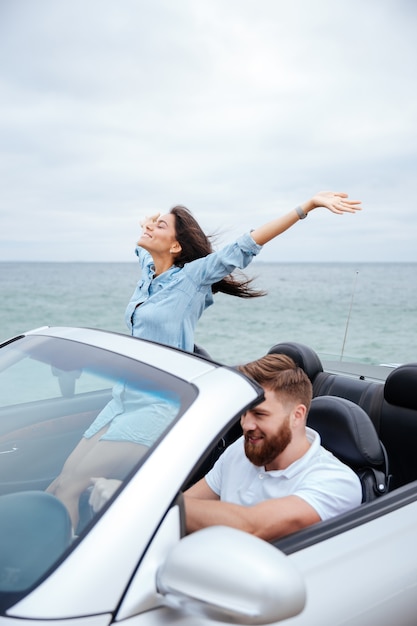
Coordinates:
181 272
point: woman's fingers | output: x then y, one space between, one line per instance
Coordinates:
149 220
337 202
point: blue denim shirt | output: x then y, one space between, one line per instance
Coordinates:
172 303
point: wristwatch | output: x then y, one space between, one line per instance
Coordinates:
300 213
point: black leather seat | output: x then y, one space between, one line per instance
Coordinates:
398 423
347 431
302 355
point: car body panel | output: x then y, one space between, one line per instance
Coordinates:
369 573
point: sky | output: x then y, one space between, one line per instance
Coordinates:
111 110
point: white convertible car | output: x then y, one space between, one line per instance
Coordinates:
131 562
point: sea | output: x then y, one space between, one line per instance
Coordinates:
363 312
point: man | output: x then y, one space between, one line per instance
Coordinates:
277 478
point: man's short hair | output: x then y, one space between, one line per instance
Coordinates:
280 374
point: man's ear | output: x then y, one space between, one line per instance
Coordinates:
300 415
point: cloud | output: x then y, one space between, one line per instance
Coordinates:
238 109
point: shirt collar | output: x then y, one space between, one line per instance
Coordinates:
165 276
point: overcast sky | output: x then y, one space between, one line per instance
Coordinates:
239 109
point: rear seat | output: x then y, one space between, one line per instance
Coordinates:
392 406
367 394
398 423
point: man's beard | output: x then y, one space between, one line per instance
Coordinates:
264 453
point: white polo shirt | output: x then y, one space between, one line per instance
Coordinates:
327 484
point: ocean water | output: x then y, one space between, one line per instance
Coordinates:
363 312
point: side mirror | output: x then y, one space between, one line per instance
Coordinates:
231 576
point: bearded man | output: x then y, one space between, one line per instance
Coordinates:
277 478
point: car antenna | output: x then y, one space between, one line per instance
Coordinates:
350 311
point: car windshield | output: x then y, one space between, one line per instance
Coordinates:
58 399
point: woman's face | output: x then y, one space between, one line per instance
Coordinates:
159 236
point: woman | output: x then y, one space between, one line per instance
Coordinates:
180 274
180 271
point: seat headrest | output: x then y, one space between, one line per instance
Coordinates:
302 355
346 430
400 386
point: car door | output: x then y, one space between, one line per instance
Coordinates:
360 569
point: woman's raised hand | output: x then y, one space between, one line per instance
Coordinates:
149 220
337 202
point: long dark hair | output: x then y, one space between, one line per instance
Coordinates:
195 244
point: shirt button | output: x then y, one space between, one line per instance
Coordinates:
261 476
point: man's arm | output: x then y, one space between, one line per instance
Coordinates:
268 520
202 491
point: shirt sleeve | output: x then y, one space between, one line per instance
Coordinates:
145 259
215 266
215 475
342 491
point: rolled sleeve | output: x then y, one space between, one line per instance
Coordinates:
217 265
145 259
246 241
